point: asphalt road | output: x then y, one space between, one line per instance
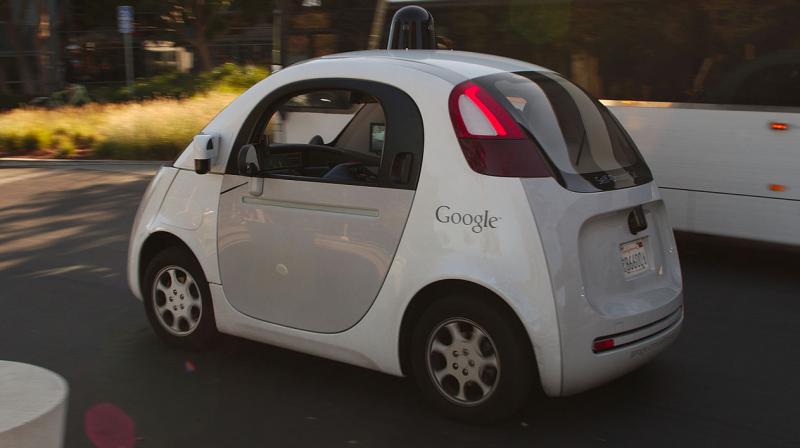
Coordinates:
731 379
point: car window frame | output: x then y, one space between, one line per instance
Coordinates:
401 115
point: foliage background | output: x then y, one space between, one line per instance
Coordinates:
158 118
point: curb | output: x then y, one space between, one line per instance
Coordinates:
14 162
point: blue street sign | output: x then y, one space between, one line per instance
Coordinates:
125 19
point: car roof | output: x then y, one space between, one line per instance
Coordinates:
453 66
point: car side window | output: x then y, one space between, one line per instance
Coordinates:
334 130
335 135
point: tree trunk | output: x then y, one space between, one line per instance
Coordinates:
12 34
203 53
200 39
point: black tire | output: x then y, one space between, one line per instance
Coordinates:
512 377
202 332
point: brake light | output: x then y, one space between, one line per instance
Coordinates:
601 345
479 116
491 140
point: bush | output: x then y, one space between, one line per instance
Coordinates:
232 78
63 146
9 143
83 140
228 78
157 129
132 150
153 129
30 142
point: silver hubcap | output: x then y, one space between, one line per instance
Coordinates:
176 300
462 361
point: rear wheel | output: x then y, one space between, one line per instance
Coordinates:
177 299
471 358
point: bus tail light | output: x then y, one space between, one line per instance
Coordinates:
491 140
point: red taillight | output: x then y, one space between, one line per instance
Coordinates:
492 142
476 114
601 345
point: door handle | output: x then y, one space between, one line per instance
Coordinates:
401 168
256 186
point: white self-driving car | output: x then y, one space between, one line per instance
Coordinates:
478 223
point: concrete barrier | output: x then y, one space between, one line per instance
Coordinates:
33 406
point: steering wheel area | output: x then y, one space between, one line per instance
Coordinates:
351 171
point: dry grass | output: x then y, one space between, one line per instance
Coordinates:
154 129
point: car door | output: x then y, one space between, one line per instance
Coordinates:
311 248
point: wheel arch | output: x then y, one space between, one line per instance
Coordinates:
155 243
434 291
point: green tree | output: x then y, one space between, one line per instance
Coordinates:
196 21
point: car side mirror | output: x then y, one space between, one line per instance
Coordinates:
248 164
205 148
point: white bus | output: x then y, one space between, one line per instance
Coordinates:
723 170
709 89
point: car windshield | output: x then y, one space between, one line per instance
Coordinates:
582 139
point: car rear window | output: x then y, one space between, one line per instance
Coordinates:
582 139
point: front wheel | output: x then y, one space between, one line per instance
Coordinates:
177 299
472 359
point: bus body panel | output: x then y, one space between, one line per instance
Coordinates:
723 172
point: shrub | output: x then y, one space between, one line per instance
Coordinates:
30 142
155 129
9 143
83 140
233 78
137 150
63 146
227 78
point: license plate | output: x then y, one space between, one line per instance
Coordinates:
634 257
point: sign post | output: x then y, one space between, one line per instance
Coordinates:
125 26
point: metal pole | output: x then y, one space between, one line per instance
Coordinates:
128 59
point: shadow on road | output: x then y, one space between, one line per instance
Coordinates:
64 304
70 227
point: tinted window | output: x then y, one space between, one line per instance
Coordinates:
581 138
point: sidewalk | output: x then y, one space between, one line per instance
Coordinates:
126 166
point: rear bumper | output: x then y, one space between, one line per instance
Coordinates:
636 347
582 236
640 334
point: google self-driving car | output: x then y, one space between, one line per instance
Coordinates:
478 223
